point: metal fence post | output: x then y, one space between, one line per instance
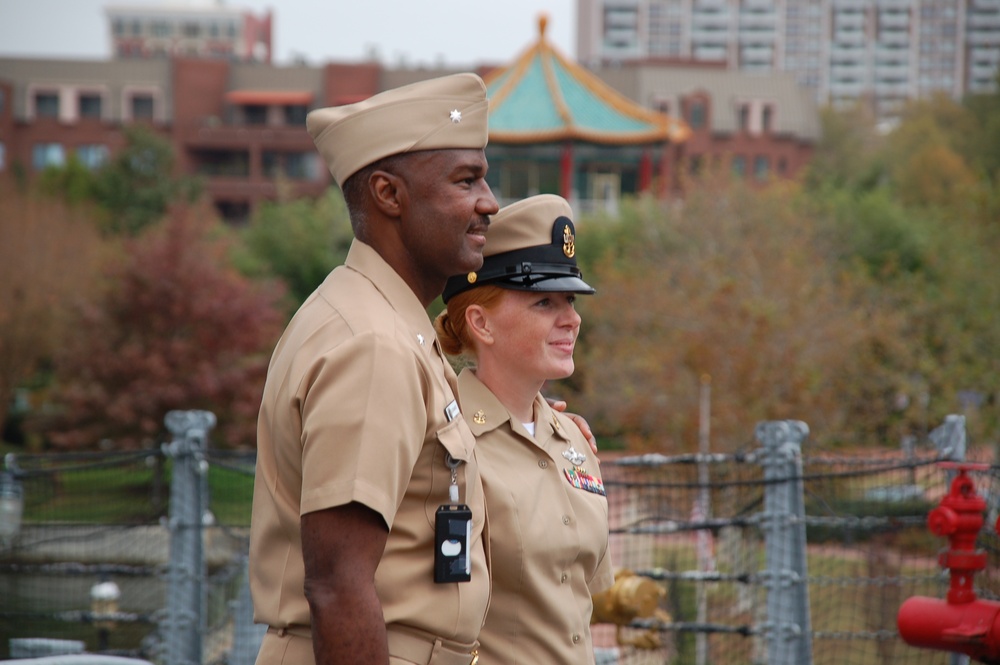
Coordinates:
183 628
788 625
247 636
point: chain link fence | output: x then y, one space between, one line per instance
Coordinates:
778 554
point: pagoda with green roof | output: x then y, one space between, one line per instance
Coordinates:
555 128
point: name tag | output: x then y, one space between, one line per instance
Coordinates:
451 411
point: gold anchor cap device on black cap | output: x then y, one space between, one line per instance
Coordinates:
530 246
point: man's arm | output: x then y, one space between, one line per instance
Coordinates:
341 548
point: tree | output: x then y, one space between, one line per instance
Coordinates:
48 253
298 241
847 154
740 286
176 329
136 188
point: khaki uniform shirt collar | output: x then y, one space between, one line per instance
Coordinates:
484 412
364 259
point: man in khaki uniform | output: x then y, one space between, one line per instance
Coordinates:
360 440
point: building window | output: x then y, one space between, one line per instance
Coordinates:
767 118
292 165
255 114
295 114
90 106
92 156
3 101
694 164
44 155
192 30
744 119
142 107
160 29
761 167
696 115
46 105
739 165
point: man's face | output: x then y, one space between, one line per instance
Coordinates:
448 208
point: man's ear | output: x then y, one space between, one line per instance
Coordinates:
388 192
478 325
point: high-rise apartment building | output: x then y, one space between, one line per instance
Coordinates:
881 51
196 31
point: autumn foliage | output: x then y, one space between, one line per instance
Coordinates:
176 328
736 287
48 252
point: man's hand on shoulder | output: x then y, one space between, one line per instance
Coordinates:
581 422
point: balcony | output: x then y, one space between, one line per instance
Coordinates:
894 20
849 38
710 53
892 89
243 189
212 134
984 20
852 89
855 21
894 38
757 21
852 72
757 54
709 38
892 73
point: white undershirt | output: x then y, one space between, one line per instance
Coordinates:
530 427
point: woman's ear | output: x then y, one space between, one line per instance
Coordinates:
478 324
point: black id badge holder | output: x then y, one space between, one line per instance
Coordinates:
452 535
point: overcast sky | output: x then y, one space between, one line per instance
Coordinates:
428 32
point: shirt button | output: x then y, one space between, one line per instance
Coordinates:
543 464
565 577
576 638
565 519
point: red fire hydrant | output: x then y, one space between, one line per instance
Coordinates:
962 623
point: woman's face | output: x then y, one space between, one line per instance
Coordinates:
534 333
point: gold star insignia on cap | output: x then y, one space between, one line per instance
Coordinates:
472 277
456 116
479 417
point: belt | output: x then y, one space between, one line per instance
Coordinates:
420 647
409 644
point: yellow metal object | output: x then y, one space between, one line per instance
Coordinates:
631 597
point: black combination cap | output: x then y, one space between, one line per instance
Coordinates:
530 246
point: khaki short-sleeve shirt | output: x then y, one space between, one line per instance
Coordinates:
549 534
356 408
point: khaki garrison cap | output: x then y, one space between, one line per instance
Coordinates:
531 246
443 113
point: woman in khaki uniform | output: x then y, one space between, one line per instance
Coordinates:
515 319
